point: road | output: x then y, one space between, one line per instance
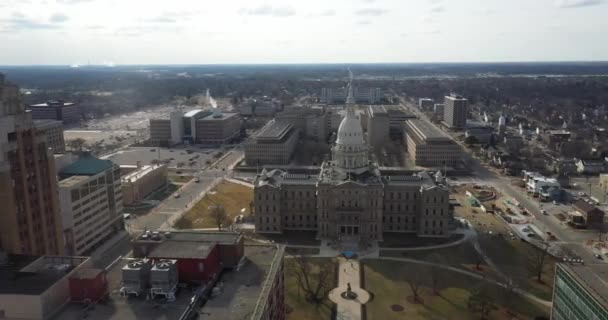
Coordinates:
571 240
163 216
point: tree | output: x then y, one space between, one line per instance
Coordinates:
509 291
415 281
537 259
602 228
481 302
155 162
435 271
470 140
313 279
76 144
218 214
180 164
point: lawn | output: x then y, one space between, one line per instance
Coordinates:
513 257
405 240
179 179
232 196
298 308
388 282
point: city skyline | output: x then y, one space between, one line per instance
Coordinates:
78 32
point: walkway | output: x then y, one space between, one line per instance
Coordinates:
349 273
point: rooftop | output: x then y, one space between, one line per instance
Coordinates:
274 130
28 275
426 131
117 307
219 116
142 172
72 181
377 111
193 113
593 277
87 166
243 288
177 249
52 103
585 206
199 236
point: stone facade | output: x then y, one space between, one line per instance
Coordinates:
350 198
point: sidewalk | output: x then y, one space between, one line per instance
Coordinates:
349 273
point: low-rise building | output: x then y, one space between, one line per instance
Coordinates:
143 181
438 111
480 131
37 287
90 196
210 127
53 130
273 144
587 215
67 112
425 104
539 185
591 166
397 114
580 292
428 146
311 123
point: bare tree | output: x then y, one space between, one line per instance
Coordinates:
415 283
481 302
435 271
601 231
76 144
218 214
315 282
180 164
509 291
155 162
537 259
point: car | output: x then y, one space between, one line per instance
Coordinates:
176 195
197 179
555 202
178 172
544 212
152 150
599 257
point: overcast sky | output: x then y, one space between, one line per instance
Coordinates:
300 31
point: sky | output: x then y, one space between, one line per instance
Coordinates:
115 32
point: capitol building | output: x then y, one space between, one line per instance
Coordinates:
350 197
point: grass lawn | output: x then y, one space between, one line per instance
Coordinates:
512 257
232 196
296 237
388 282
299 308
179 179
405 240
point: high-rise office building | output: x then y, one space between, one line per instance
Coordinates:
30 221
455 111
580 292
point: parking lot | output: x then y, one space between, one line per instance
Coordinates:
182 157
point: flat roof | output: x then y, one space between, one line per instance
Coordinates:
192 113
274 130
201 236
142 172
181 249
52 104
245 289
42 272
378 111
456 97
216 117
117 307
593 277
72 181
426 130
87 166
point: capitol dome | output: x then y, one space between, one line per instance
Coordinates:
350 131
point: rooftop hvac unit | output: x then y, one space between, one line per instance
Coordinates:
135 277
164 279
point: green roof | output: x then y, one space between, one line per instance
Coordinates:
86 166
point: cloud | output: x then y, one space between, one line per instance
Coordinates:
73 1
326 13
95 27
18 21
437 9
59 18
577 3
172 17
266 10
371 12
364 22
